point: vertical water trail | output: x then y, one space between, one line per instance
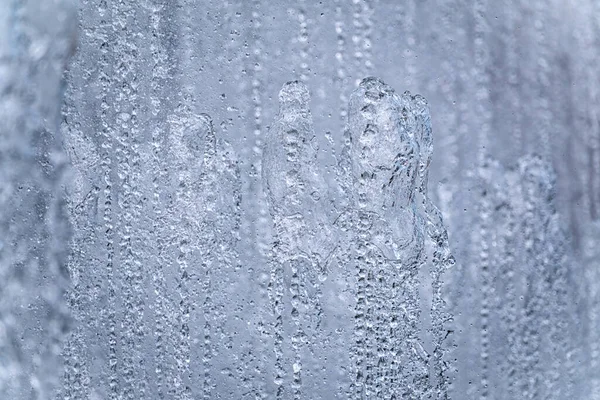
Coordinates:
481 78
219 225
548 307
315 273
208 202
361 38
125 26
509 275
448 27
246 63
581 125
543 97
75 374
483 264
560 331
221 186
162 305
13 378
295 190
457 87
318 377
565 332
416 124
442 258
34 233
276 263
107 114
71 366
76 381
536 295
303 41
289 142
187 135
296 291
230 59
594 134
591 257
276 298
241 71
188 71
257 78
367 45
181 240
294 145
344 72
387 245
342 61
210 188
364 353
83 212
482 109
408 17
502 190
359 71
365 261
260 228
513 21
